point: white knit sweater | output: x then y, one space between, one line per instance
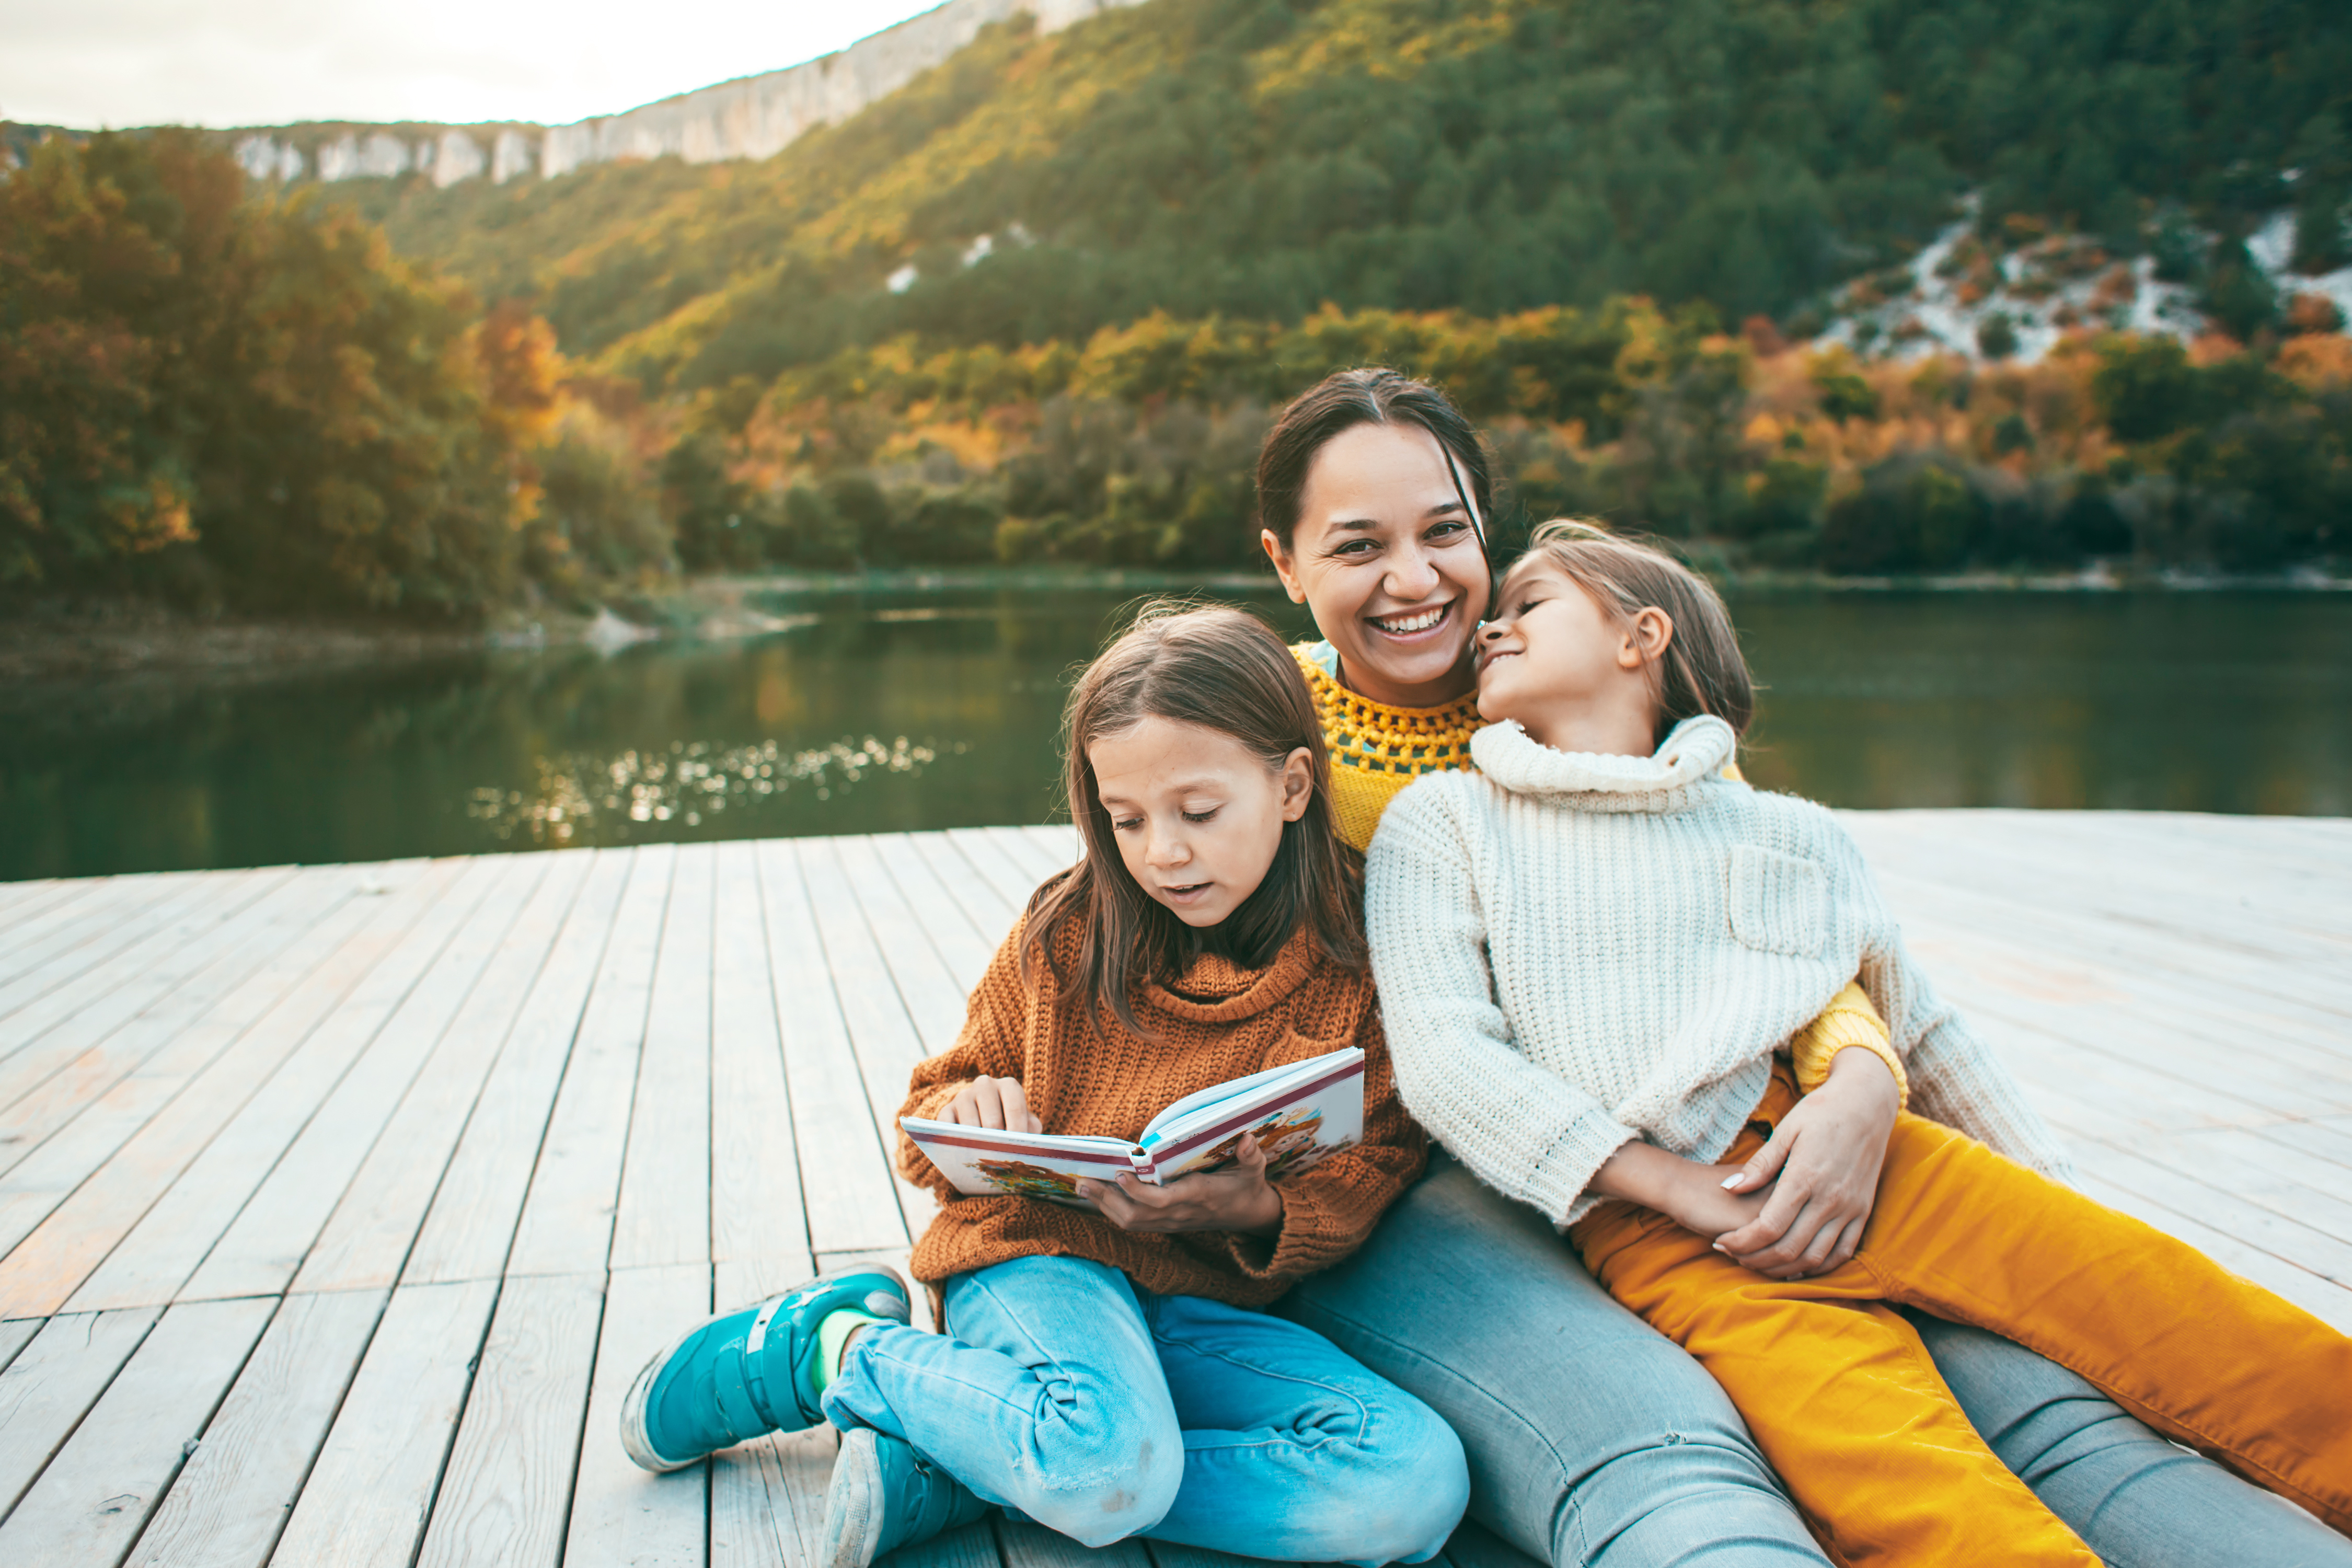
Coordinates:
1574 951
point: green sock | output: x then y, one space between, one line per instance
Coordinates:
833 1332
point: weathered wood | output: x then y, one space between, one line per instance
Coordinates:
509 1478
846 1186
567 1217
360 983
620 1514
366 1242
96 1494
758 1228
233 1497
664 1209
366 1503
1027 1545
471 1226
884 1037
449 1082
53 1381
266 1244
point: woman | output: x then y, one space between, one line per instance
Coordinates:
1591 1440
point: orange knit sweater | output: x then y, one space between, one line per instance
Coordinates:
1082 1072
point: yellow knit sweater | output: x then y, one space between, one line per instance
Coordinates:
1377 750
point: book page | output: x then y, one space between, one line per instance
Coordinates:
985 1162
1300 1113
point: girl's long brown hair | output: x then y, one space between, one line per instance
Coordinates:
1225 670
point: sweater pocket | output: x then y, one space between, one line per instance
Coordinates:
1779 903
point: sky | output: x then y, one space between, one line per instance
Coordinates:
108 63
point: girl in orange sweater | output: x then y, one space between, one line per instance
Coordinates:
1106 1372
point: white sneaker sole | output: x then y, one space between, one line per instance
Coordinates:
853 1505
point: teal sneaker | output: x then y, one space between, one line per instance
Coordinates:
884 1496
747 1372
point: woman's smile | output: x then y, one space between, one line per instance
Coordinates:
1428 622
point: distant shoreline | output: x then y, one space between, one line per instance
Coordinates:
103 640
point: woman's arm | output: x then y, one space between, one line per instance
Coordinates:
1522 1129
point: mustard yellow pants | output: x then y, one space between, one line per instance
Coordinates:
1843 1400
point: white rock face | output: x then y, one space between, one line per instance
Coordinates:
752 116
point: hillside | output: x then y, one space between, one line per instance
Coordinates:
1258 159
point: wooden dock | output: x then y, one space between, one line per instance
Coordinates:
339 1205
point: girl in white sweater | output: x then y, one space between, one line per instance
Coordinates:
1590 952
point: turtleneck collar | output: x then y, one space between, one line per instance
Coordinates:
1214 989
1671 779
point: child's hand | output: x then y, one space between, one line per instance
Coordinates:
1825 1155
1694 1198
1240 1198
993 1102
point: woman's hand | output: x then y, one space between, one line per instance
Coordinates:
993 1102
1821 1166
1239 1198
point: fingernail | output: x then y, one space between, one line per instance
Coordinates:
1719 1247
1733 1179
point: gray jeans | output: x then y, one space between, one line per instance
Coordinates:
1594 1440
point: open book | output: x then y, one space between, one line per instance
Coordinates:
1300 1112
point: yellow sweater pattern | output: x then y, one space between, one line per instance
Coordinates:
1377 750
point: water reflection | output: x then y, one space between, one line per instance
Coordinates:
940 709
683 785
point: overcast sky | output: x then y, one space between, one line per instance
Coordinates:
92 63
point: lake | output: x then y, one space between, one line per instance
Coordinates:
925 708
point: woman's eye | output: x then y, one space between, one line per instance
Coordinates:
1355 547
1448 530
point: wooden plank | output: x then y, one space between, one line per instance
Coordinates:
758 1228
267 1242
880 1033
974 1546
96 1494
91 1097
984 849
567 1218
53 1381
233 1497
80 931
21 903
104 997
65 1208
1036 856
170 985
366 1503
509 1477
664 1209
767 1500
620 1514
470 1227
963 944
1027 1545
989 908
366 1242
2153 1182
15 1335
846 1186
365 980
927 988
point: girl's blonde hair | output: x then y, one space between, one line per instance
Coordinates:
1221 669
1702 670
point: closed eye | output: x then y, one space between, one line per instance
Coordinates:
1201 815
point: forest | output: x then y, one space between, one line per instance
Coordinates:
1040 304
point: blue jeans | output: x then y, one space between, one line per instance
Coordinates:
1594 1440
1062 1392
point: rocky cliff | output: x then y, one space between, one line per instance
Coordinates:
751 117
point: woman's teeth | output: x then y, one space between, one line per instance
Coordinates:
1420 622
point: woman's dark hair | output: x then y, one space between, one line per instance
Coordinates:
1703 670
1225 670
1372 395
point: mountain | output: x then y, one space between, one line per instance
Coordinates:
750 117
1259 158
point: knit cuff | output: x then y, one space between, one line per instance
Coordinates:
1558 1182
1849 1022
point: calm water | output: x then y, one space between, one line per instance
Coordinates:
914 711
